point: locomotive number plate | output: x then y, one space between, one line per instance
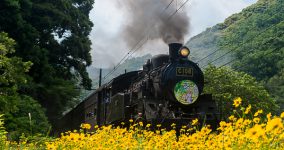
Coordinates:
183 71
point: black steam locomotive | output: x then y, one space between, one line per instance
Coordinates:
168 90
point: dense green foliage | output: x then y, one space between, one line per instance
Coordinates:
2 133
257 38
53 35
252 40
225 85
13 105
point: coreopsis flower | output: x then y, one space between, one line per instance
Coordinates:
274 124
232 118
223 125
256 120
282 115
248 109
258 112
239 123
85 126
240 133
255 132
194 122
247 122
268 116
237 102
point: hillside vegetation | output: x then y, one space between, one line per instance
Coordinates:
251 41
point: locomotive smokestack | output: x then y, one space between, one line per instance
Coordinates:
173 50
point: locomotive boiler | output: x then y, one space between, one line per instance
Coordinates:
168 90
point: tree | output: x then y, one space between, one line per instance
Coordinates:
226 84
276 85
12 74
13 105
53 35
257 40
251 41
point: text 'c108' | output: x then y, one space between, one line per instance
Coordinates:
183 71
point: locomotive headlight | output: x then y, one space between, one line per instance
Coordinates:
186 92
184 52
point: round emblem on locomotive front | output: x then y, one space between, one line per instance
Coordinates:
186 92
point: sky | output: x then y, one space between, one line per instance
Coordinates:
109 17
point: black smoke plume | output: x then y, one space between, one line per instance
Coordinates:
153 19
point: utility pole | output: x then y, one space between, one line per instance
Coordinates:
100 79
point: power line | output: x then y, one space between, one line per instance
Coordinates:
177 10
208 55
168 5
134 50
122 60
247 53
130 54
218 58
220 49
232 50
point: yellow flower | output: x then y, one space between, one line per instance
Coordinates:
85 126
274 124
248 109
50 146
237 102
240 134
247 122
256 120
223 125
131 120
194 122
282 115
255 132
239 123
268 116
232 118
258 112
141 123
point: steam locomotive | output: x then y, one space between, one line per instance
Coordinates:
168 90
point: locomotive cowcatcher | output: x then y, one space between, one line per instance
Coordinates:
168 90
